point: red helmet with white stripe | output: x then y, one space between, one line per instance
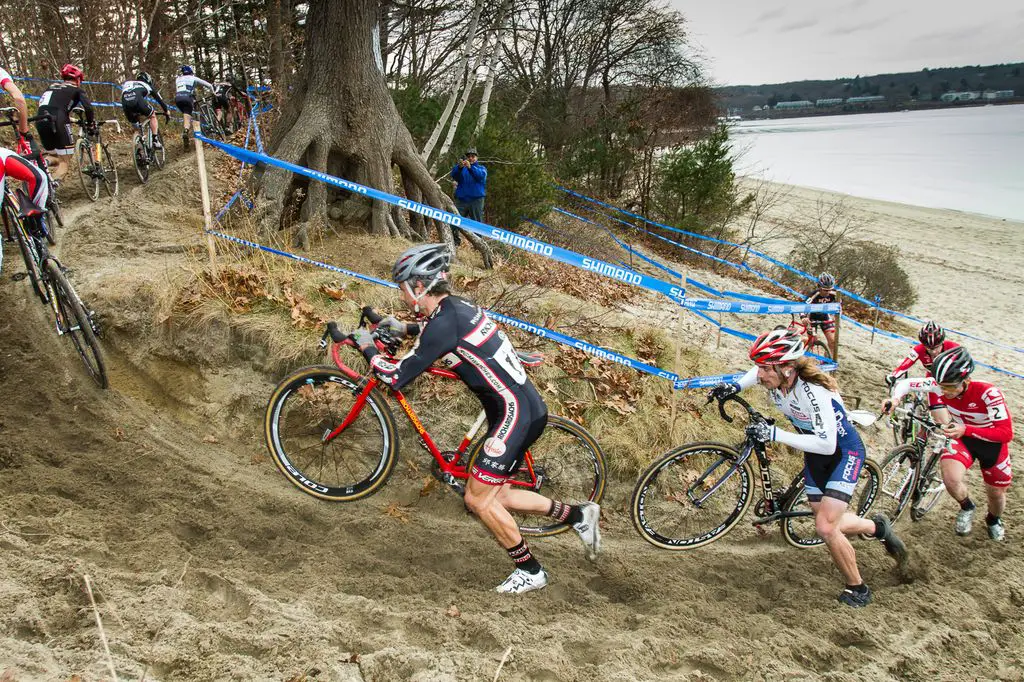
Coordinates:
776 347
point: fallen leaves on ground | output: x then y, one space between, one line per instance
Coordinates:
397 512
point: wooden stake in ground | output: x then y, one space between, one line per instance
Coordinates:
99 625
204 189
679 358
502 664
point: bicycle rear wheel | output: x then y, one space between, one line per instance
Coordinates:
53 210
800 531
691 496
110 181
929 488
140 159
87 172
569 467
73 321
308 405
899 478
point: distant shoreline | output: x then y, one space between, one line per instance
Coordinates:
917 106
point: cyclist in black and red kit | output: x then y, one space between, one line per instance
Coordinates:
465 339
825 293
58 100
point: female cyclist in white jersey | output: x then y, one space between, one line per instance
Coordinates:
833 450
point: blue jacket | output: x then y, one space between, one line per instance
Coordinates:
472 182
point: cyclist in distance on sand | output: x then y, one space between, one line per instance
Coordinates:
467 341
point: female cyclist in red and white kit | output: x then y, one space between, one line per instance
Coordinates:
19 168
975 416
933 341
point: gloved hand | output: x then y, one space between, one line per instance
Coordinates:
890 380
363 338
167 117
395 327
723 391
761 431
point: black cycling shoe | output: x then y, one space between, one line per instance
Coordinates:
893 545
855 598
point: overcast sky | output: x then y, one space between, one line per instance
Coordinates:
750 42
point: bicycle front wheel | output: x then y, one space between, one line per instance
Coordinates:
800 531
821 348
691 496
929 489
91 179
110 181
304 409
568 465
899 477
73 321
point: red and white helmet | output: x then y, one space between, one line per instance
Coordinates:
777 346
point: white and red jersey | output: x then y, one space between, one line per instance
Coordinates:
5 77
981 408
920 352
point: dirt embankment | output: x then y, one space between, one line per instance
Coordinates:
208 565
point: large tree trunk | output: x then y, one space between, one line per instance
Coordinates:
340 119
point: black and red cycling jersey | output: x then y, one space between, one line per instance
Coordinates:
60 98
467 341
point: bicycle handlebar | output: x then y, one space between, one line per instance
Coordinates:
751 412
11 114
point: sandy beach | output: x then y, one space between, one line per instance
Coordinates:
207 565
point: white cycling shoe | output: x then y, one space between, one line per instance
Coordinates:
523 581
589 528
964 521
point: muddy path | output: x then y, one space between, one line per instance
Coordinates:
207 564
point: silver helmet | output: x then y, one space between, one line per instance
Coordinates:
423 262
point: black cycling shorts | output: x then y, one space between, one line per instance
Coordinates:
55 134
135 107
184 102
220 101
502 455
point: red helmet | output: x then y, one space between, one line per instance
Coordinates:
777 346
71 71
931 334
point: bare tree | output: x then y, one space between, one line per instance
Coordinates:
341 120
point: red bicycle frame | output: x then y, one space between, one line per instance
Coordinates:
454 468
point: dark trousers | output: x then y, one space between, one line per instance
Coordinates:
472 209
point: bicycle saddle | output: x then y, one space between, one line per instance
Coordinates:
26 207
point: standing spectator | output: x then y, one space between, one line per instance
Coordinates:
470 189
